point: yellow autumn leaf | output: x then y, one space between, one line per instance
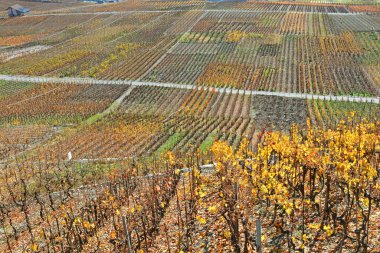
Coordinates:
201 220
328 229
34 247
313 225
212 209
227 234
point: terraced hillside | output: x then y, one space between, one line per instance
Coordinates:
186 126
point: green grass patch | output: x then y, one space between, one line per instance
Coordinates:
207 143
94 118
169 144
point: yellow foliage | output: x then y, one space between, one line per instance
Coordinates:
291 170
34 247
212 209
329 230
235 36
170 158
222 152
227 234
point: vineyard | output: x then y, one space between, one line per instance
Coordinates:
140 204
190 126
287 51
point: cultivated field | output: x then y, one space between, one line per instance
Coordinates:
175 126
283 50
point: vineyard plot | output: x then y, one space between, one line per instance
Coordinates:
316 57
263 49
57 103
155 101
115 136
16 139
154 204
277 113
31 115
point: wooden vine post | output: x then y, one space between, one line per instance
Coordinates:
125 224
258 236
